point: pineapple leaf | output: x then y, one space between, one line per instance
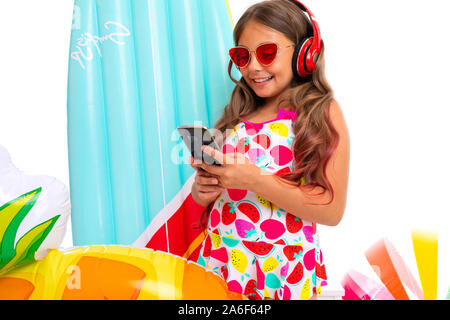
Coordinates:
11 216
30 242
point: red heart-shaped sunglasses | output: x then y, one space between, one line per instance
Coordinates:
265 54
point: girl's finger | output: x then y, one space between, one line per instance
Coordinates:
208 196
209 188
205 174
193 162
208 181
197 166
216 154
202 180
193 165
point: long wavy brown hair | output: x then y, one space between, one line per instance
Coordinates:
316 138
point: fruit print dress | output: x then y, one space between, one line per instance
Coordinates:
259 249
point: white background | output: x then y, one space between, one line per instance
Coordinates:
388 63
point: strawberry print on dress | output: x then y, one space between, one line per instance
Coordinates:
259 249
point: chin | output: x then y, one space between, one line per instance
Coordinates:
263 93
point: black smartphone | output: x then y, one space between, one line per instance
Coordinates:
195 137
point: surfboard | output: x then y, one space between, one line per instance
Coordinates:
137 70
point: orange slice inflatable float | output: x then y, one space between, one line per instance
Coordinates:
113 272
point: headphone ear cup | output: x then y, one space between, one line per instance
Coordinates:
299 59
295 58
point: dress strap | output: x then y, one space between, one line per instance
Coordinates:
284 114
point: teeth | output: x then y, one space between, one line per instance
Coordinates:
262 80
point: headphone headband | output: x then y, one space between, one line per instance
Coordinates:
309 48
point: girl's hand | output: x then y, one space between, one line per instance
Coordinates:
205 188
236 171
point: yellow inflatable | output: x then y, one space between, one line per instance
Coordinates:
113 272
425 245
33 215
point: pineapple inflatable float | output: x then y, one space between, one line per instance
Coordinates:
33 215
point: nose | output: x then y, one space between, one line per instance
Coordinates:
254 64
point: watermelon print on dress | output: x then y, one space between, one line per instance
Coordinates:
259 249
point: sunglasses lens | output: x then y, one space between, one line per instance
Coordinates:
267 53
240 56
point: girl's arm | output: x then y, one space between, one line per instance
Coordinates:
311 205
237 172
205 188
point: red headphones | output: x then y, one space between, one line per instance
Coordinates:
308 50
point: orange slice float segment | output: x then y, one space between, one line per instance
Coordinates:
15 289
113 272
392 270
199 284
96 278
426 252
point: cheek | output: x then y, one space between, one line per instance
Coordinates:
285 67
244 74
283 74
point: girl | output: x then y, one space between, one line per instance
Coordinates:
285 161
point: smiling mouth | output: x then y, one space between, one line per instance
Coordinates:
263 80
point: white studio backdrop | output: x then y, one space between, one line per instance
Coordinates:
388 63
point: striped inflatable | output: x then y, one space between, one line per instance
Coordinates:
397 279
138 69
